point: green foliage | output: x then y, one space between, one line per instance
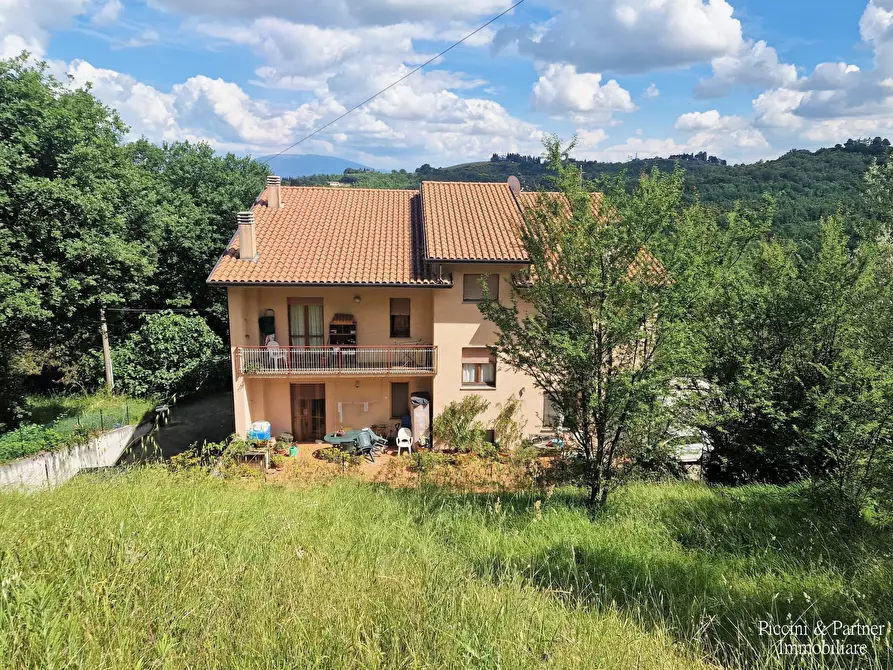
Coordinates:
29 439
509 424
87 221
170 354
800 366
614 281
457 426
340 457
426 461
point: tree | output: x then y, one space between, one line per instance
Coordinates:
87 221
798 359
601 321
169 354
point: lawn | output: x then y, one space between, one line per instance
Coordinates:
172 570
55 422
68 413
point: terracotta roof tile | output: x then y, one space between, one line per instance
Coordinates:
471 221
333 236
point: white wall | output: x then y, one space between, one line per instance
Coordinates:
54 468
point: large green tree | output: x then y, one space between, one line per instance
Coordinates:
601 321
800 367
87 220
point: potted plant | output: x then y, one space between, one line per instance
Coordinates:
283 441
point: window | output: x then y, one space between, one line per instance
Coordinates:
399 317
472 290
552 416
399 400
305 322
478 367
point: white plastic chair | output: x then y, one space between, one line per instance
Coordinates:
276 353
404 440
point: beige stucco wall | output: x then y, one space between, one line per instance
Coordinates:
270 399
352 393
458 325
438 316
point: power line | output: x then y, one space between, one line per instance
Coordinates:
407 75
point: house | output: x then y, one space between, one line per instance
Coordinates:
345 302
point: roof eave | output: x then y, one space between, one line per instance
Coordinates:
333 284
482 261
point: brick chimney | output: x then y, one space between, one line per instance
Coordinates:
274 192
247 240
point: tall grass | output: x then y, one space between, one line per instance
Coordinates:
152 569
68 414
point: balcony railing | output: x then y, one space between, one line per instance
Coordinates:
337 360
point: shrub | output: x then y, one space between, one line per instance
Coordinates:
286 438
509 424
277 461
170 354
458 427
340 457
30 439
423 461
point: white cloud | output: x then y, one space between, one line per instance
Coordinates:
587 141
720 135
710 120
340 13
27 25
561 90
755 65
629 35
108 12
652 91
143 39
838 100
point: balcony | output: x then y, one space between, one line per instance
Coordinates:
335 361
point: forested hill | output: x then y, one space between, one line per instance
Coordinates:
807 184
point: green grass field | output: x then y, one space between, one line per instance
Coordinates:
68 413
149 569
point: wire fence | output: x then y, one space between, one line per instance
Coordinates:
87 423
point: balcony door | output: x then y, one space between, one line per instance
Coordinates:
305 322
308 411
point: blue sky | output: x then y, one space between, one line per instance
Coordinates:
742 79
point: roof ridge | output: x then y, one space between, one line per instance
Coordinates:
351 188
481 183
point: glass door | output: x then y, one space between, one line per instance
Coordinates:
308 411
305 323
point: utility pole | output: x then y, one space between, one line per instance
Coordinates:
106 352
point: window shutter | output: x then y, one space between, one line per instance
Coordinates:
479 355
400 306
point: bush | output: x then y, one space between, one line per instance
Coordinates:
30 439
457 426
340 457
170 354
509 424
423 461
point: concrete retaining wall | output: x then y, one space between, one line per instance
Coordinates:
51 469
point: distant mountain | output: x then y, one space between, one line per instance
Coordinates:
303 165
807 185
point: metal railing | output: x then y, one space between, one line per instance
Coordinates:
337 360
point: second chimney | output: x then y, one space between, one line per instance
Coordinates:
247 240
274 192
